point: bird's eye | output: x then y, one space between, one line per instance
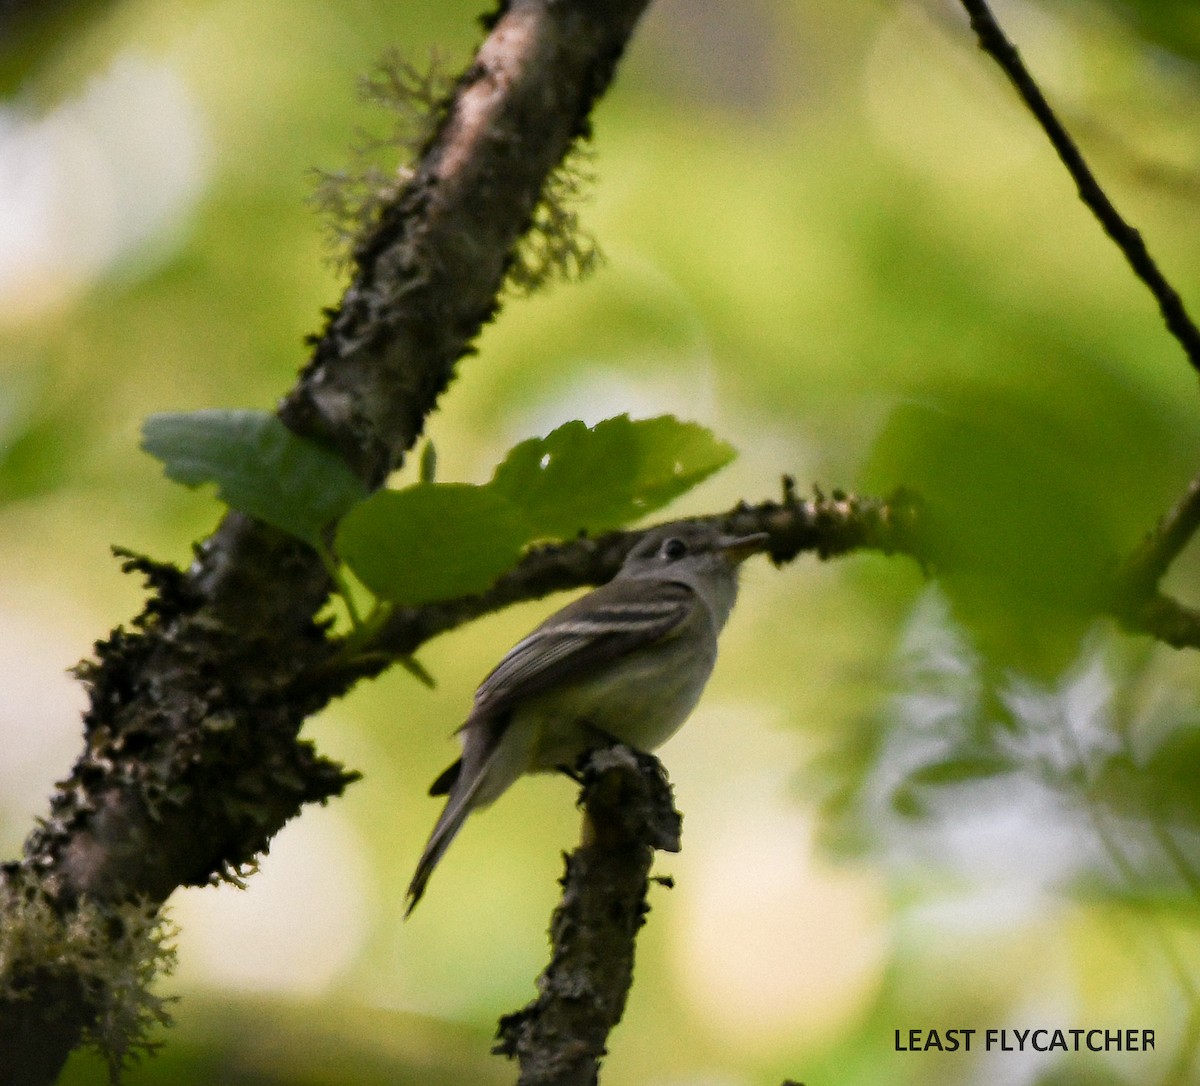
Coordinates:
673 549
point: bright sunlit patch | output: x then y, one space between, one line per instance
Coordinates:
39 713
775 945
779 947
296 928
103 176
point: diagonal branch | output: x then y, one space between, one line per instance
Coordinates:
1147 565
825 525
429 274
192 760
994 42
1135 600
1161 617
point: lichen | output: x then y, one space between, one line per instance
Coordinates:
556 248
113 953
351 200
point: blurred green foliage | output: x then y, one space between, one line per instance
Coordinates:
1172 24
307 1048
832 238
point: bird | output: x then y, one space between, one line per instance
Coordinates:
624 663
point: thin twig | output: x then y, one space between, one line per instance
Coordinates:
1146 566
1161 617
1136 601
994 42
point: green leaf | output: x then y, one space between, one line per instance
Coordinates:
592 479
431 541
259 466
1017 515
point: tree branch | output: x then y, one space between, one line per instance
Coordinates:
560 1037
1161 617
826 526
429 274
1147 565
191 759
1135 600
994 42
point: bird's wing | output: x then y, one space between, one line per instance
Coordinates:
598 627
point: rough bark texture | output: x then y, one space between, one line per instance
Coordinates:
560 1037
191 761
431 271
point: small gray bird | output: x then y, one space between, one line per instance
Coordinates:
627 662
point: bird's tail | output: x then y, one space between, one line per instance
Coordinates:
463 799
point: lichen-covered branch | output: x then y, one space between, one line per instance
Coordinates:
824 525
560 1037
192 760
428 274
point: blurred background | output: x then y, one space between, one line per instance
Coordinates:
832 235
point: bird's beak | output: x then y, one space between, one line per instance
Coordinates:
739 548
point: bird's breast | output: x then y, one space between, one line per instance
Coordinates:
640 699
